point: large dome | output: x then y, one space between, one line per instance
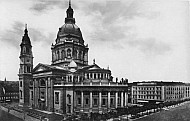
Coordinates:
69 29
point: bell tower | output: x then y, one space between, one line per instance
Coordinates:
25 70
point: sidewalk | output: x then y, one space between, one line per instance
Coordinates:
36 113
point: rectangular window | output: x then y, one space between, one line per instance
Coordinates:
20 83
28 69
79 101
95 101
31 95
111 101
42 95
69 99
56 97
69 109
87 101
119 101
104 102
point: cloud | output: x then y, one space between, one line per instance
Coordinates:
43 6
111 19
150 46
37 36
14 35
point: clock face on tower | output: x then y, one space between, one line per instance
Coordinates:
28 60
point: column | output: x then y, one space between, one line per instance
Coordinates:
92 76
78 78
67 78
34 92
121 99
126 99
82 100
108 99
85 76
90 99
100 99
116 96
46 92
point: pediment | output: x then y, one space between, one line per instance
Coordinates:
41 67
94 67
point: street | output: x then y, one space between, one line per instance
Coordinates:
180 113
4 116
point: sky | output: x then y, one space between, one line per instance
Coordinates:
141 40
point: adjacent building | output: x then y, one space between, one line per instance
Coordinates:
158 91
69 84
9 91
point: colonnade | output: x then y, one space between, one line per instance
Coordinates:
123 99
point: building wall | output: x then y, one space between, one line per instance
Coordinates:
159 92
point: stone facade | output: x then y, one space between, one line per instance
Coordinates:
69 84
9 91
155 92
25 70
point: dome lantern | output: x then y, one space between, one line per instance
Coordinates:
69 18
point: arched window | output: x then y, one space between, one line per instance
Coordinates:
98 75
80 78
94 75
69 98
101 76
75 78
20 83
75 54
79 55
24 49
70 78
68 53
21 94
58 55
28 69
63 54
54 56
27 50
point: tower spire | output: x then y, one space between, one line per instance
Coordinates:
94 61
25 31
69 3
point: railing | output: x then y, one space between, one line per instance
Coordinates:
91 84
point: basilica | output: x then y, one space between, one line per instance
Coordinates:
69 84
